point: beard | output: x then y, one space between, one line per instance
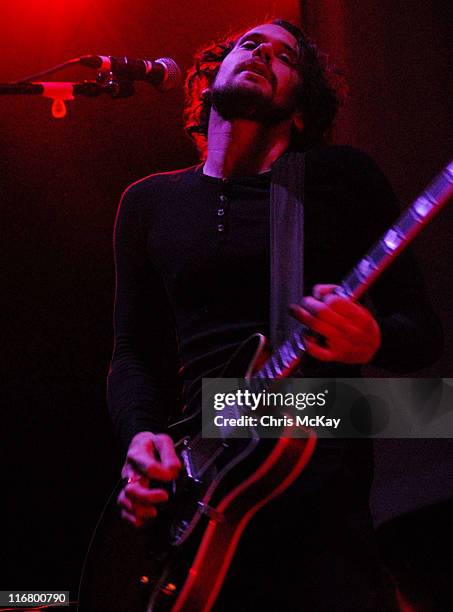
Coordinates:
242 102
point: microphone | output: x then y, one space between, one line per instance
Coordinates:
163 73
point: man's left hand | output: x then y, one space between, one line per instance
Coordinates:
351 333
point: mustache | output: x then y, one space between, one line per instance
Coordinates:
258 67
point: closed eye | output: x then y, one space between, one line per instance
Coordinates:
286 58
249 44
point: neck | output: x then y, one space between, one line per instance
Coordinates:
241 147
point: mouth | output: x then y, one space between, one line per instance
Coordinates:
255 73
256 68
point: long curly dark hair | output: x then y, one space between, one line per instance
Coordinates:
322 93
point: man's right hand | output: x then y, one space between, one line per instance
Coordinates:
149 457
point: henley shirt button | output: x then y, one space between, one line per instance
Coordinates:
220 227
220 212
223 198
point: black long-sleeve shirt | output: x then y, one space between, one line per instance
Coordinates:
193 276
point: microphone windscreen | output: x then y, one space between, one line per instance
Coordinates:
173 75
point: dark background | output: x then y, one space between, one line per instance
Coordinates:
60 183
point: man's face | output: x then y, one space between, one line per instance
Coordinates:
258 79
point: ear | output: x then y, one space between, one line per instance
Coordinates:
206 94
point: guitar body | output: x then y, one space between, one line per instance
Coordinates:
179 562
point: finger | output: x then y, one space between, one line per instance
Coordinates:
124 503
318 352
142 512
167 453
342 354
137 520
314 323
319 291
357 314
136 509
148 466
146 497
132 519
322 311
128 474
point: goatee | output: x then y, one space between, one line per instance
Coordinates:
246 103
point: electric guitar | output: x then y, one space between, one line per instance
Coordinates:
180 561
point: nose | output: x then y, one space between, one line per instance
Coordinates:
264 51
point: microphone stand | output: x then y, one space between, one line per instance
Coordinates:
60 91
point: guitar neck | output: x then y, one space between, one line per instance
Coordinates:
402 232
366 272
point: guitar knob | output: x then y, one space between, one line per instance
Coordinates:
168 589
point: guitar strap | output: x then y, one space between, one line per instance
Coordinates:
286 243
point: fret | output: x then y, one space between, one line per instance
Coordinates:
423 206
345 290
353 281
277 368
438 186
280 354
269 372
294 346
392 239
407 222
299 340
378 254
270 367
291 352
285 359
366 267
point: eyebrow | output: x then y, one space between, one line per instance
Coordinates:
260 37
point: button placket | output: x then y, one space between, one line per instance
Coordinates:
221 215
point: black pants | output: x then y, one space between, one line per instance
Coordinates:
313 549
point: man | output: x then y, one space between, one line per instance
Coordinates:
192 254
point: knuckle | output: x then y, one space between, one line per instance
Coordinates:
335 301
127 505
133 457
130 455
129 495
163 438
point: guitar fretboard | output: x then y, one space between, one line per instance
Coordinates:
286 357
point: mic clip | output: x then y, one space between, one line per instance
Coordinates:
116 87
